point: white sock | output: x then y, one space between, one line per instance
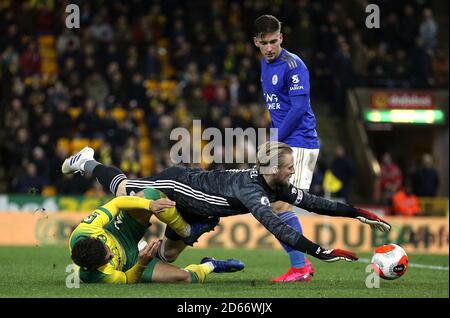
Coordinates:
210 264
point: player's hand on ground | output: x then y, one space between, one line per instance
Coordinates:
373 220
334 255
148 252
160 205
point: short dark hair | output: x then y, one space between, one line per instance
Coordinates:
89 253
266 24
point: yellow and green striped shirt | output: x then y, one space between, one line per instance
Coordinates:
94 226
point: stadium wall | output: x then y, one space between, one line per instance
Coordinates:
416 235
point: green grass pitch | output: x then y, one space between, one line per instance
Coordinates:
40 272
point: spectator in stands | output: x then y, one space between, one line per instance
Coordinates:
55 163
405 202
96 88
428 30
391 177
19 147
360 56
408 25
130 157
30 182
126 128
401 67
136 89
440 68
343 76
426 178
317 182
88 122
342 168
17 116
422 70
127 44
63 123
30 60
74 184
96 191
41 162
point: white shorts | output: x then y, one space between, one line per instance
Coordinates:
304 163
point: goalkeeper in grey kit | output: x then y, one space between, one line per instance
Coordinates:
209 195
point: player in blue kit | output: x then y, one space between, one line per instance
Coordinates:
285 85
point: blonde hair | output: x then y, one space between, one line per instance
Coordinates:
271 154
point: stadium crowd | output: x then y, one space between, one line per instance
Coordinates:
165 63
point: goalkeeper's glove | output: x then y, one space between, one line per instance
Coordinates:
334 255
373 220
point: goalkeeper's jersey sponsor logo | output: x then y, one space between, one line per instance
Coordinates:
299 196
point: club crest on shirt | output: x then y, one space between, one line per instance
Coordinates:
299 197
265 201
275 79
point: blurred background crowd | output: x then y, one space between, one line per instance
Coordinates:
135 70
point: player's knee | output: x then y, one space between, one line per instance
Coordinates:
170 256
184 277
181 276
167 253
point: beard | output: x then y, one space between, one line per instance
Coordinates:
281 183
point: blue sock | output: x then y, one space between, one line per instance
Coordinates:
297 258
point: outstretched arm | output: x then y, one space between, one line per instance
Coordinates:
134 274
319 205
259 206
106 213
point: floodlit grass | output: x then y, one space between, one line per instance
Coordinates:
41 272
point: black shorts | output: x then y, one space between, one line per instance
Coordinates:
168 180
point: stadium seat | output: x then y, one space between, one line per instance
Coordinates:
96 143
143 129
47 51
48 191
144 145
168 85
138 114
79 143
146 165
74 112
151 85
101 112
63 143
119 113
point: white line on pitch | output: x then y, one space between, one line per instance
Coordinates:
439 268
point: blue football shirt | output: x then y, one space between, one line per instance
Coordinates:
284 81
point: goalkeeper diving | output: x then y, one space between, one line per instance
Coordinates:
204 195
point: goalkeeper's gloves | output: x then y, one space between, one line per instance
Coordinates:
334 255
373 220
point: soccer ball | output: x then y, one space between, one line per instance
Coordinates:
390 261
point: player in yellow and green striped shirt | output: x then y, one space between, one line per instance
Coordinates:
105 244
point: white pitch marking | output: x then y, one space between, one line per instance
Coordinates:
439 268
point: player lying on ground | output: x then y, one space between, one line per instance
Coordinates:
201 194
105 245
